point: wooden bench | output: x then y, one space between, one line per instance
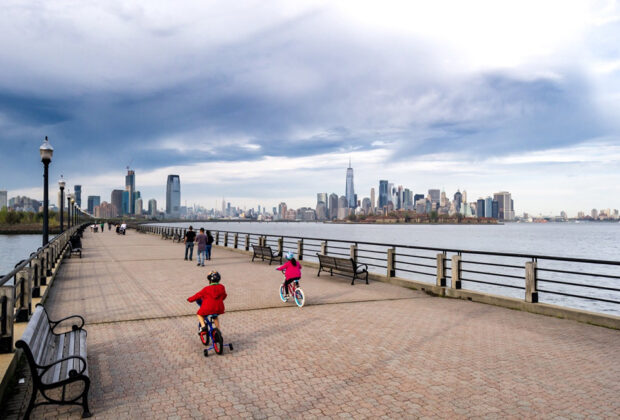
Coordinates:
344 266
75 245
177 238
56 360
265 252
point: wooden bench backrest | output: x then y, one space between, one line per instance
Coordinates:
344 264
37 336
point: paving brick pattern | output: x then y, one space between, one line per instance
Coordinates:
376 351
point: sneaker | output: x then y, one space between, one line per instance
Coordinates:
202 265
204 329
198 264
185 259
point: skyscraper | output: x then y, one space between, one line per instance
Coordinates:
153 207
383 193
78 195
117 201
488 207
130 187
173 196
504 203
435 196
458 200
350 191
93 200
333 206
372 200
480 208
3 199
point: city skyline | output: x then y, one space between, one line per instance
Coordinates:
465 100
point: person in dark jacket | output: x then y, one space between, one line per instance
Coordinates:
190 235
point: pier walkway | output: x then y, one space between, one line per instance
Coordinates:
353 352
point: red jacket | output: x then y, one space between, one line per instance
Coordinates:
212 299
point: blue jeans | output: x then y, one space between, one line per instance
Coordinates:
201 256
190 246
208 250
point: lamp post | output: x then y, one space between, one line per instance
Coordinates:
61 184
73 209
46 150
68 210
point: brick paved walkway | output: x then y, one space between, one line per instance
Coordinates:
354 352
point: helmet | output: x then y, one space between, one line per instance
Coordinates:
214 277
289 255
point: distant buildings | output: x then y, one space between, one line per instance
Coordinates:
504 205
173 196
350 191
106 210
93 201
77 190
130 188
3 199
116 200
152 207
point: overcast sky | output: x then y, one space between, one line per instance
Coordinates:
266 101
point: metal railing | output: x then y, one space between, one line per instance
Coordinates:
573 282
24 282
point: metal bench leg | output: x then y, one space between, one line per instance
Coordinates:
86 413
353 280
366 277
33 397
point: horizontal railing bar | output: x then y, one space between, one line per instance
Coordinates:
579 296
521 267
410 263
416 256
369 258
493 274
579 285
371 250
414 271
494 284
608 276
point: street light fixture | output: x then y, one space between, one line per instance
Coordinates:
61 184
46 150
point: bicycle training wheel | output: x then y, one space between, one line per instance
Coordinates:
282 293
218 341
300 298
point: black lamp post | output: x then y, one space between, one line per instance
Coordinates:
74 210
46 150
61 184
68 210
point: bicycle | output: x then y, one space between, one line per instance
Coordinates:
212 335
294 291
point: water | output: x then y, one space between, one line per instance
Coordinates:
14 248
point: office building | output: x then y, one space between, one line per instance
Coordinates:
372 200
350 191
383 193
125 206
130 187
488 207
435 196
333 206
495 209
321 211
106 210
458 200
116 200
93 200
505 205
77 190
480 207
173 196
138 207
3 199
153 207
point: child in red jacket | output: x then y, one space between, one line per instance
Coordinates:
292 271
212 297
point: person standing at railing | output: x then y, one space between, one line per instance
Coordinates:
190 236
209 244
201 240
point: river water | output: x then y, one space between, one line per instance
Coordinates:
599 241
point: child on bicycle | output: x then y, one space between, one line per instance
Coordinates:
292 270
212 297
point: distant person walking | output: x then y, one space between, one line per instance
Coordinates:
190 236
201 240
209 244
102 226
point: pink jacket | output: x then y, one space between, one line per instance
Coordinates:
292 271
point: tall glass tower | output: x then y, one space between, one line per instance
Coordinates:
173 196
77 189
130 187
350 192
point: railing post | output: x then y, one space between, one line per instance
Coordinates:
300 249
217 237
48 262
225 239
354 252
531 287
324 248
441 270
391 262
6 316
23 283
456 272
236 240
36 282
247 242
280 245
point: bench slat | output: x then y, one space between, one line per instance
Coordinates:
53 374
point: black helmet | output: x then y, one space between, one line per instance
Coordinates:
214 277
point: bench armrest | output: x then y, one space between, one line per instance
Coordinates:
64 359
53 324
359 265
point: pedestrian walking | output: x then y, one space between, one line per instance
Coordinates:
190 236
201 240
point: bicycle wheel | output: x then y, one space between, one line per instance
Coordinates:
282 293
300 298
218 341
204 337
